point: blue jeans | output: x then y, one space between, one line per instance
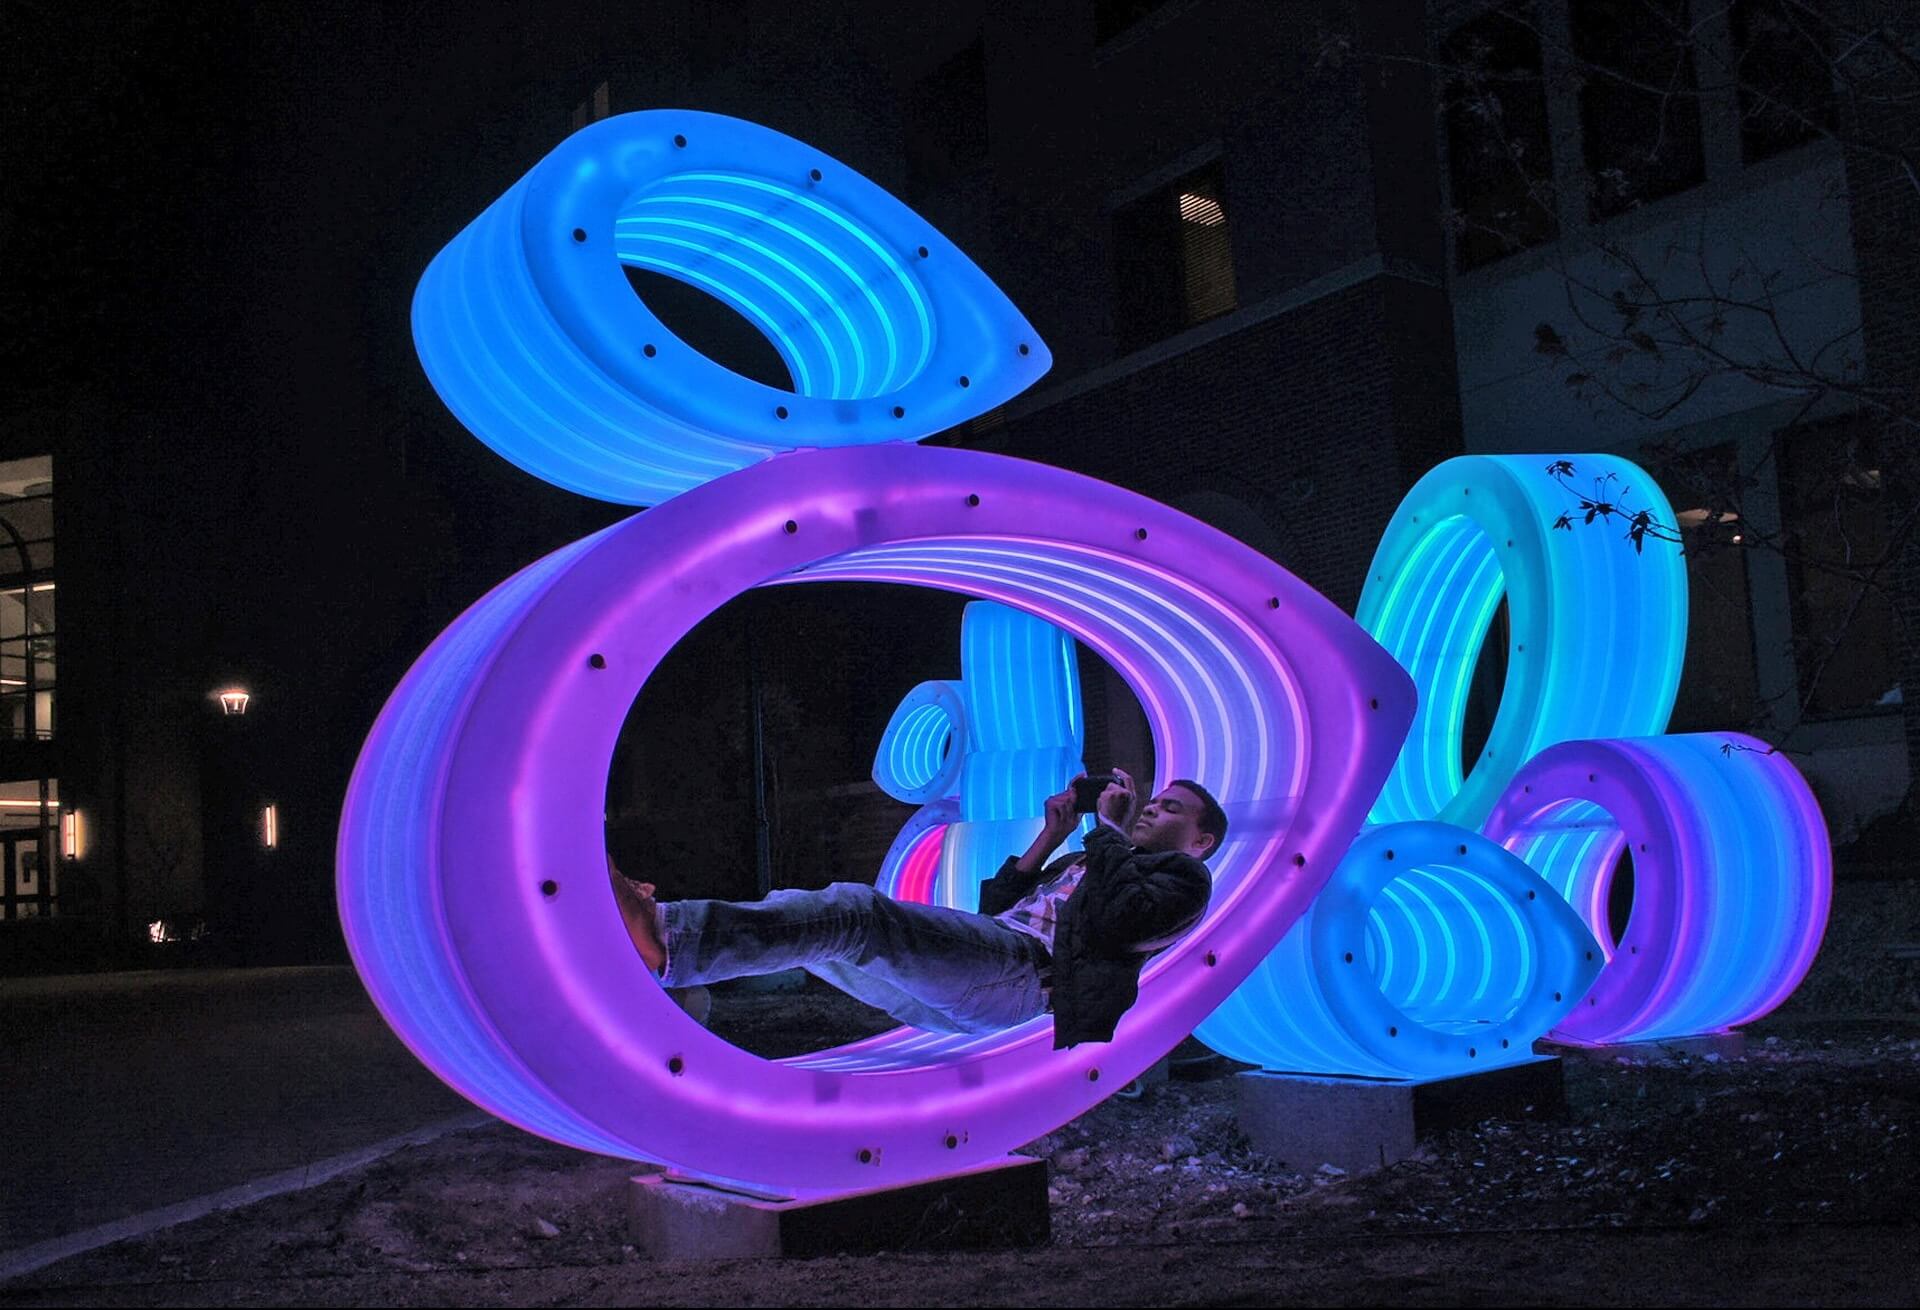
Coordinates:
927 966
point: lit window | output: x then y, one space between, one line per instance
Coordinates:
73 835
270 826
1172 259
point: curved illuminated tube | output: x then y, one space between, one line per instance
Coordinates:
1005 734
471 871
1431 951
920 751
1732 875
1597 630
528 329
1023 710
910 870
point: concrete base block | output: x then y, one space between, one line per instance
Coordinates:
1356 1124
1728 1045
999 1204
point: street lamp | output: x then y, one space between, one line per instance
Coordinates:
234 701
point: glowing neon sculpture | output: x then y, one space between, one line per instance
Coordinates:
920 752
1431 951
1597 631
1731 891
530 333
512 978
471 883
1732 875
989 746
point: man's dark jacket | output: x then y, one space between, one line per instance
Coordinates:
1125 899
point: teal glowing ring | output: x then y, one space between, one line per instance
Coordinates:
920 752
528 329
1733 875
1598 630
1431 952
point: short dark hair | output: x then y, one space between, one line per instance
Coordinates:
1213 819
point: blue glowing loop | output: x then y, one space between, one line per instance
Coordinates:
1431 951
1019 740
920 752
528 329
1597 630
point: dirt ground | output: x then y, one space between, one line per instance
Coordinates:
1786 1177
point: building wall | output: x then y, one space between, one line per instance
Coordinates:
1832 233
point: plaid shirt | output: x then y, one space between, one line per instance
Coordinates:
1038 912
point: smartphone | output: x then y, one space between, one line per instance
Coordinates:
1086 791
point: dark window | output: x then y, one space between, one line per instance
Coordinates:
1833 502
947 120
1786 80
1173 259
1718 685
1499 157
1639 104
1112 17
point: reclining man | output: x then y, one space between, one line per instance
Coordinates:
1067 938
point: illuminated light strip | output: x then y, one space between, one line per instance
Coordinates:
1575 669
492 758
1720 841
839 264
909 764
1317 1004
789 352
912 863
885 256
820 332
806 278
1421 962
1013 720
1449 886
1523 972
533 338
1191 600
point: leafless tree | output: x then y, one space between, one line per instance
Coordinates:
1643 332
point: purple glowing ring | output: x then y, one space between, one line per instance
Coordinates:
472 886
1732 875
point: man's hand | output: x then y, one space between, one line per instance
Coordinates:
1060 821
1115 806
1059 812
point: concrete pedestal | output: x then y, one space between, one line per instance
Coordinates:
1728 1045
1356 1124
999 1204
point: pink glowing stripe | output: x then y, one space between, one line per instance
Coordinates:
921 865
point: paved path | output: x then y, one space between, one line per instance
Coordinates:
121 1093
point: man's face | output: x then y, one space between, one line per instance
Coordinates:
1171 822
